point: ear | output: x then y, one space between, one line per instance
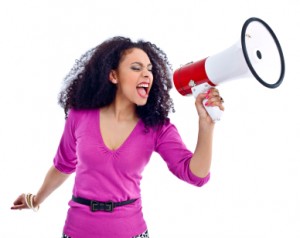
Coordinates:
113 77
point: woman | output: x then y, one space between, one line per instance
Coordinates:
117 101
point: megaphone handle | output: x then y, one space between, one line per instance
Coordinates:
214 112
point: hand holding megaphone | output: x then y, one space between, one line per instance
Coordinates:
213 111
212 103
257 54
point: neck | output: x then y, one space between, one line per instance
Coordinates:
121 111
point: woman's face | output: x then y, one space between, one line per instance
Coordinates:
133 77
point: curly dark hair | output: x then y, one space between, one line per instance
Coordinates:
88 86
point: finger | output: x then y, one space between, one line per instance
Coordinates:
213 92
216 101
20 206
201 96
20 202
199 99
20 199
216 104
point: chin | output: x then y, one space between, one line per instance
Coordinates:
140 104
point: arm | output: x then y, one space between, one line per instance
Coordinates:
201 160
52 181
65 162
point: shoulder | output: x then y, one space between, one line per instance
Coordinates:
168 125
72 113
76 115
166 128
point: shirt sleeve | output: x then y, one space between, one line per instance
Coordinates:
65 159
175 153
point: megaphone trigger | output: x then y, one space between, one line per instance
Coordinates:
200 88
213 111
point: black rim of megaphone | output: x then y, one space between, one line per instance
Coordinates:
279 81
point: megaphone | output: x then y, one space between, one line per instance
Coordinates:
257 54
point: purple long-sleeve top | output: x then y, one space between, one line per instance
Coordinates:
103 174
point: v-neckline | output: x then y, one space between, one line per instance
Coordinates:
123 143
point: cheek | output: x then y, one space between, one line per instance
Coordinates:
128 88
151 82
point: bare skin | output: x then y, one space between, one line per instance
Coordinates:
52 181
201 161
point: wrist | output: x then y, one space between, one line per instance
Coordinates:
35 201
206 125
31 202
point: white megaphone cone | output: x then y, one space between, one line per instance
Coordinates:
257 54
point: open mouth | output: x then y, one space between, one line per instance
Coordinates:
143 89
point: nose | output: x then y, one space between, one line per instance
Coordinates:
147 74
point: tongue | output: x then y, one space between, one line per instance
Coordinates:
141 91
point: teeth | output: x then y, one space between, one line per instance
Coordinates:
143 85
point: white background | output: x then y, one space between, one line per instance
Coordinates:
254 187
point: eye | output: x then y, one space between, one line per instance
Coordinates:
135 67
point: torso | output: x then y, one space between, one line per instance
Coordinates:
114 175
114 133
